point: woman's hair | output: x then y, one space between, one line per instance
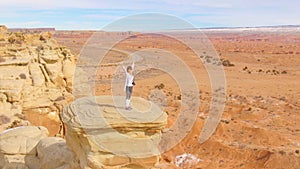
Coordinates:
129 68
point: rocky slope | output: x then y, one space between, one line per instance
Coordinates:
99 135
35 76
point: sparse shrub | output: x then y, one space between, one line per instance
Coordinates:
227 63
179 97
15 123
11 40
42 38
284 72
245 68
275 72
282 152
208 60
160 86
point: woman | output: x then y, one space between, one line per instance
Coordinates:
129 83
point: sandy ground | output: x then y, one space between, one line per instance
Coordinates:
259 126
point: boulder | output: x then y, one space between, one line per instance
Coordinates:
18 147
102 134
22 140
53 153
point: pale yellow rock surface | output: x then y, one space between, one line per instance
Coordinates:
53 153
101 133
3 28
18 147
34 72
22 140
31 148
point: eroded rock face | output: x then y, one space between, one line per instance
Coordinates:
35 72
3 28
18 147
53 153
102 134
29 147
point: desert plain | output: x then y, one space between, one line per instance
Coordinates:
259 127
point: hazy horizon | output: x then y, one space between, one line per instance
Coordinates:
206 28
94 14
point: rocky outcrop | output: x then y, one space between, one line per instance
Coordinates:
29 147
53 153
18 147
102 134
35 74
3 28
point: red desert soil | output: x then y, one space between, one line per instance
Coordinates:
259 126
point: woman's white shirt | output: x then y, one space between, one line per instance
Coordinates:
129 77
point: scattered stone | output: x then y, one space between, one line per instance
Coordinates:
22 76
187 161
227 63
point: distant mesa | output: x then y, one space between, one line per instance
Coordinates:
31 30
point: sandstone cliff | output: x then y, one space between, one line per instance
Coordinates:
35 76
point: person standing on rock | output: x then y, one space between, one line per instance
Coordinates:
129 83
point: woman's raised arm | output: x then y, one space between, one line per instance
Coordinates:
132 66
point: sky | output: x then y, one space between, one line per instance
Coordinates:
96 14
